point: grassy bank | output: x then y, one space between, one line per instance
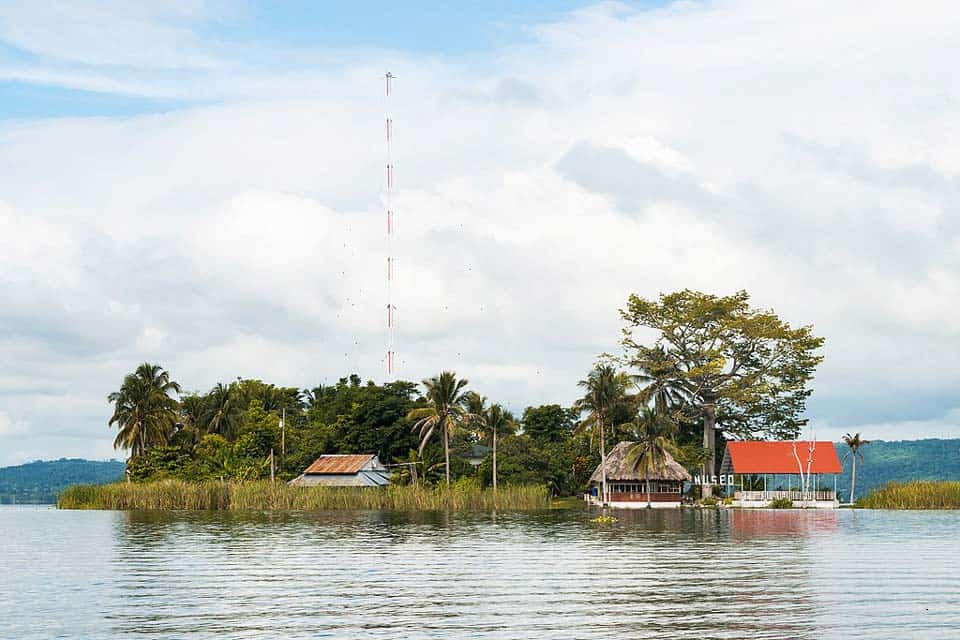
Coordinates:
261 495
913 495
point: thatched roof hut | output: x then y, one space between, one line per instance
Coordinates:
619 467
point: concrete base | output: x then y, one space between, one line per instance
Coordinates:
637 504
810 504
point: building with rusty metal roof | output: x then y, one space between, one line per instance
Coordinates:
344 470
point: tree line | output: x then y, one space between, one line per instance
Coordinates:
694 370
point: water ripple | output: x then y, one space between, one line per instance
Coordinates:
677 574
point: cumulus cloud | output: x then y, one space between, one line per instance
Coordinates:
796 152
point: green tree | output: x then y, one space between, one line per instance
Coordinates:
444 412
660 384
605 390
548 423
654 440
497 421
224 410
143 409
741 367
854 442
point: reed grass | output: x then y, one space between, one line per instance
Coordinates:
266 495
913 495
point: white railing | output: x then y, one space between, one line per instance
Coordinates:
796 496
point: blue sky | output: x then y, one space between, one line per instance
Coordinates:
198 183
439 29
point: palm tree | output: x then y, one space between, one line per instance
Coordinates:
143 410
314 397
223 410
498 420
605 388
854 442
654 432
475 406
444 411
660 385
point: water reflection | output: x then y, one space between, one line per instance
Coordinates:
659 573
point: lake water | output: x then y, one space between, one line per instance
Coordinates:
660 574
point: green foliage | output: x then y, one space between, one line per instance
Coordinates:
263 495
162 461
721 355
900 461
39 482
548 422
564 466
914 495
445 411
143 409
653 433
709 501
781 503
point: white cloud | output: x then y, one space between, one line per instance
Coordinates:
943 426
797 152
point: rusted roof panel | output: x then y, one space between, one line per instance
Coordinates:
338 464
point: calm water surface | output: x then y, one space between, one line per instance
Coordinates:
669 574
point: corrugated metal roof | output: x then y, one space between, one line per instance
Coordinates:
752 456
339 464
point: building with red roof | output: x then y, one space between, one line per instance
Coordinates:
801 470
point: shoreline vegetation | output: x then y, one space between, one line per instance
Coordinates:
710 369
932 495
263 495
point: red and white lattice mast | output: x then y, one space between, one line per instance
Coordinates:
391 309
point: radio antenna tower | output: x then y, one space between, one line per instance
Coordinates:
391 309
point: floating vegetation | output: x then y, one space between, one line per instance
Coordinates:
604 519
266 495
914 495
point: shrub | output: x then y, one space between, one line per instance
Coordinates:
914 495
781 503
709 501
263 495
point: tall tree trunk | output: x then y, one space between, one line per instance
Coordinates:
603 466
646 476
710 444
494 461
446 453
853 477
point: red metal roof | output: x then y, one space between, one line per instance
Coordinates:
338 464
777 457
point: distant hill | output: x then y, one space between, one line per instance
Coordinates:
39 482
900 461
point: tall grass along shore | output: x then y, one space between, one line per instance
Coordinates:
266 495
913 495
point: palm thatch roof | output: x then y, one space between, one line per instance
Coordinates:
620 467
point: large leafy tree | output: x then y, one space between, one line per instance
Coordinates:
443 414
740 367
143 409
605 391
654 432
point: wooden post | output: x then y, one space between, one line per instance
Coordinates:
271 465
